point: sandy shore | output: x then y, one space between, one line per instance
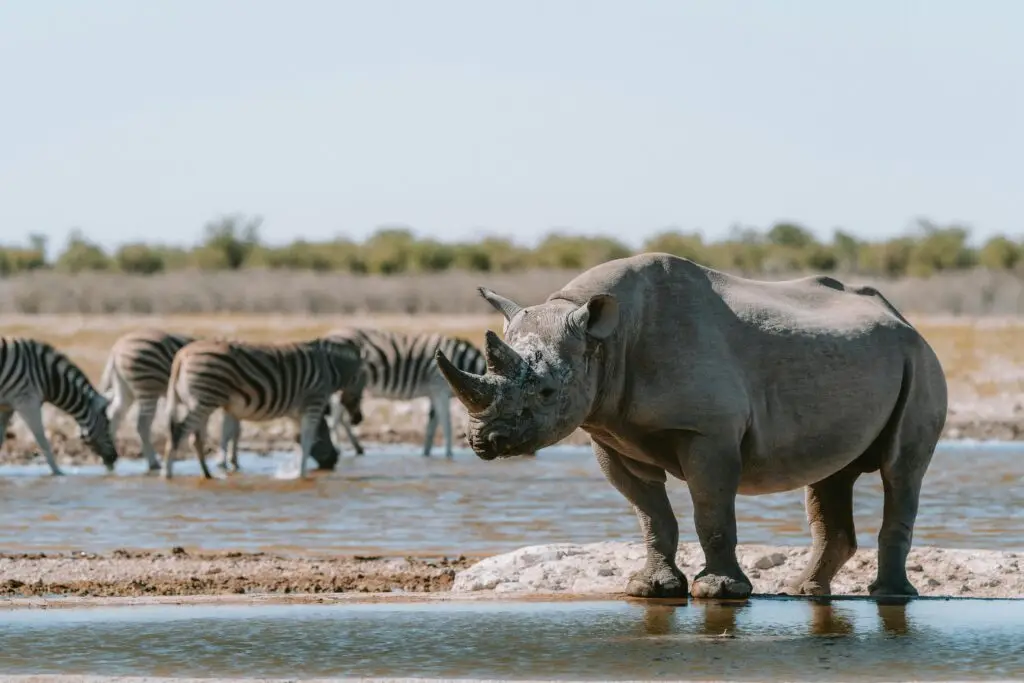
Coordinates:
597 569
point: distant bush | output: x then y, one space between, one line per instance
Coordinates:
233 242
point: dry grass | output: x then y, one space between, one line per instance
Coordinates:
972 293
983 357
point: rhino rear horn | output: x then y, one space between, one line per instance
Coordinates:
473 391
502 359
506 307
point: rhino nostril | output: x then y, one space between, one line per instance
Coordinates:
497 440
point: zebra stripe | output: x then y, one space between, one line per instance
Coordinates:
401 367
33 372
259 382
138 369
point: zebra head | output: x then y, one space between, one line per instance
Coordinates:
352 374
94 430
352 394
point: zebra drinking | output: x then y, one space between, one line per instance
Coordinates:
260 382
32 373
138 368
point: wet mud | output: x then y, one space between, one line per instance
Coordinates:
180 572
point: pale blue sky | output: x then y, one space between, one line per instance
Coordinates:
141 120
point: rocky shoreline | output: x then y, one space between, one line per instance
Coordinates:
596 569
385 423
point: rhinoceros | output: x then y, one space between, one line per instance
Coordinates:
733 385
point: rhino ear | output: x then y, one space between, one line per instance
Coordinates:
506 307
596 318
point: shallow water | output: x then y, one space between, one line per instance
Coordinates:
758 640
394 500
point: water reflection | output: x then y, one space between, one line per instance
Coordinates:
396 501
758 639
719 619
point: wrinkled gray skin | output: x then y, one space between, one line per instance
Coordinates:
733 385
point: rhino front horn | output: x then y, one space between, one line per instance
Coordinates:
473 391
502 359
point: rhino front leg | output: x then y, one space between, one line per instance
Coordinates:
833 537
713 476
644 488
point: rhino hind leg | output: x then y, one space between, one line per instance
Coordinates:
829 505
644 488
901 487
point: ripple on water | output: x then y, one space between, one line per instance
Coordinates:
394 500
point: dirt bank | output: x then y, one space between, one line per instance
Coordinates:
592 569
177 572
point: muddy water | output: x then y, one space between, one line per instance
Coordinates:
758 640
395 501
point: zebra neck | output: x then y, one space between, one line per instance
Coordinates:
67 394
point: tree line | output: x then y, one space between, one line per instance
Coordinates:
233 242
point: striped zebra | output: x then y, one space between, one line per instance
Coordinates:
401 367
138 369
260 382
33 373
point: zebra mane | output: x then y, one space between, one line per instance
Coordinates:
63 369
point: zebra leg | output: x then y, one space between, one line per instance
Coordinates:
307 430
120 403
144 425
230 431
178 431
5 421
428 443
351 436
338 419
199 445
444 406
32 414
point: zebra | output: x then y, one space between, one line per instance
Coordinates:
260 382
33 372
138 368
401 367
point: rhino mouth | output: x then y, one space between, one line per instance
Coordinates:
496 446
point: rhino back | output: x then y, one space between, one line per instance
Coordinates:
790 367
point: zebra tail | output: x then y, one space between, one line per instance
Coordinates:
107 377
171 403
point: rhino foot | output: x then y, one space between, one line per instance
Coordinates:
902 588
666 582
720 586
807 588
